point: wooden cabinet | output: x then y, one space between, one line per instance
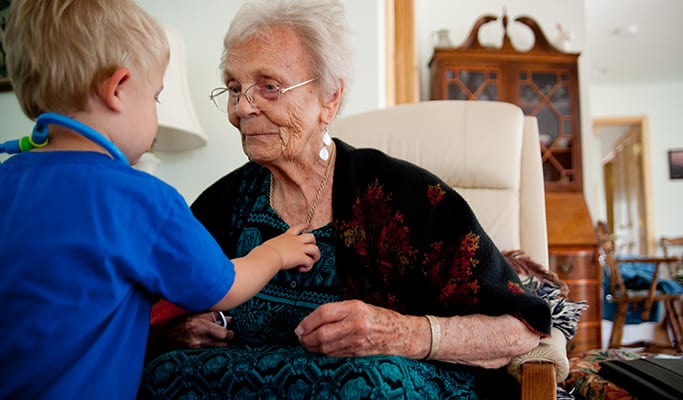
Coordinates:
573 253
544 82
576 267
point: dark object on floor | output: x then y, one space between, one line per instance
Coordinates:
647 378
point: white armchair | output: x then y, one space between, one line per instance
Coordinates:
489 152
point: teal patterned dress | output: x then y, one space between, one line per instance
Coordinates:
415 248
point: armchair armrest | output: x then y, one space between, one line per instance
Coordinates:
539 370
552 350
538 381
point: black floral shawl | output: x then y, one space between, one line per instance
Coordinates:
408 242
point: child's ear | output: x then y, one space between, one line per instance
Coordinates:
110 90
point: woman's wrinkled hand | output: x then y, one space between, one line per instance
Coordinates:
198 331
355 328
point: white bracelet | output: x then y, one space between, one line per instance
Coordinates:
222 321
435 329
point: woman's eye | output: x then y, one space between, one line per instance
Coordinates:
270 87
234 91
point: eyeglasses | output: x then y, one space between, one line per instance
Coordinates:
260 95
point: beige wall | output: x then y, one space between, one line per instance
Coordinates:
661 103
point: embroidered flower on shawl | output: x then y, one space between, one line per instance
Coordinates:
380 234
435 193
380 238
515 288
462 284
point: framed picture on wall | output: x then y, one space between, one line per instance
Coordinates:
4 79
676 164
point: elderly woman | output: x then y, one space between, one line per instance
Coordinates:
406 272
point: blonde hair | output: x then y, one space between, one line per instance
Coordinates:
321 25
60 51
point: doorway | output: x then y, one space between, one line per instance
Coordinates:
624 155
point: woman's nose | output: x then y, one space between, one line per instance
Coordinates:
245 105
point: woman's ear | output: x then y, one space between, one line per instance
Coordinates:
331 105
110 89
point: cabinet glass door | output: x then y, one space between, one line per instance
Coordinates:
545 94
472 84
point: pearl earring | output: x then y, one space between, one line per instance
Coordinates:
327 140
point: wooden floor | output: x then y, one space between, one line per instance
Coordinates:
661 338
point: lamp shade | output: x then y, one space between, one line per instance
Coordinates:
179 128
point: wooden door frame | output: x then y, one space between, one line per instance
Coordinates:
645 167
402 66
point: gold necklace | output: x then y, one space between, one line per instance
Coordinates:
318 195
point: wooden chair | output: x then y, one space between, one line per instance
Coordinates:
624 297
673 247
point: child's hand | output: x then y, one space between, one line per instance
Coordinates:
296 249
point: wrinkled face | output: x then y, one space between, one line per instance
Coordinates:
287 128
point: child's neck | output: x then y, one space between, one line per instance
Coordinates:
63 139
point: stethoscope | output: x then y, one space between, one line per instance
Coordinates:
39 136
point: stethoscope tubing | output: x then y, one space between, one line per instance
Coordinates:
39 136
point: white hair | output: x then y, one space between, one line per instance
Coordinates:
321 24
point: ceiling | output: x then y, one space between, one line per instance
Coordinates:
653 53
